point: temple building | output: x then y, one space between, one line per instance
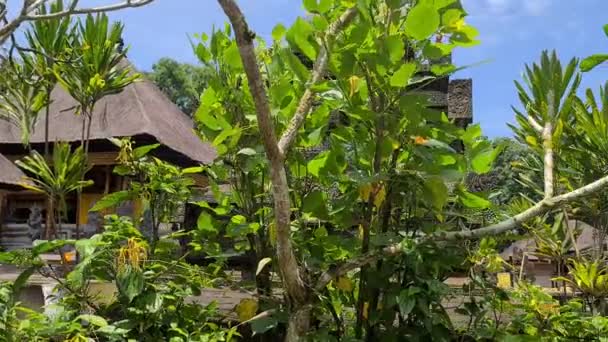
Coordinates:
141 111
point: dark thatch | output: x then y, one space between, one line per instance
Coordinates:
11 177
141 109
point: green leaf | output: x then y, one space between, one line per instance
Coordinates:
396 47
193 169
204 223
49 246
262 264
112 200
472 133
86 247
324 6
402 76
300 37
141 151
439 4
152 301
22 279
422 21
606 30
592 61
483 155
233 57
437 192
315 165
295 64
310 5
93 319
248 151
112 330
314 204
406 303
278 32
130 282
263 324
471 200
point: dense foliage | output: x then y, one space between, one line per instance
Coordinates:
334 174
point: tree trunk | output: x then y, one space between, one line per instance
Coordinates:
46 124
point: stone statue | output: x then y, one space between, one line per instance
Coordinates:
34 223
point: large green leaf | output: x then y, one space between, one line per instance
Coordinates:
471 200
396 47
141 151
204 223
263 324
318 163
95 320
112 200
300 36
592 61
436 192
403 75
314 204
49 246
422 21
130 282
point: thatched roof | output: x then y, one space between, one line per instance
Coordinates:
11 176
141 109
586 240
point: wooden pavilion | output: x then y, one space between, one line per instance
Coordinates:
141 111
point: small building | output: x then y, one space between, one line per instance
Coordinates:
540 269
141 111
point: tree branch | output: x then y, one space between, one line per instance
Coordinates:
535 124
491 230
547 135
289 268
29 8
318 73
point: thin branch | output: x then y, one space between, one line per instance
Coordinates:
29 8
491 230
72 10
318 72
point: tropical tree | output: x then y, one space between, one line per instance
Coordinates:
100 69
365 66
56 178
181 82
591 279
29 11
49 42
21 95
160 186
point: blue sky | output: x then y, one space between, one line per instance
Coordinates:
513 32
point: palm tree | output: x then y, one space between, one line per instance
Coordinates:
591 279
49 41
56 179
21 95
98 71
